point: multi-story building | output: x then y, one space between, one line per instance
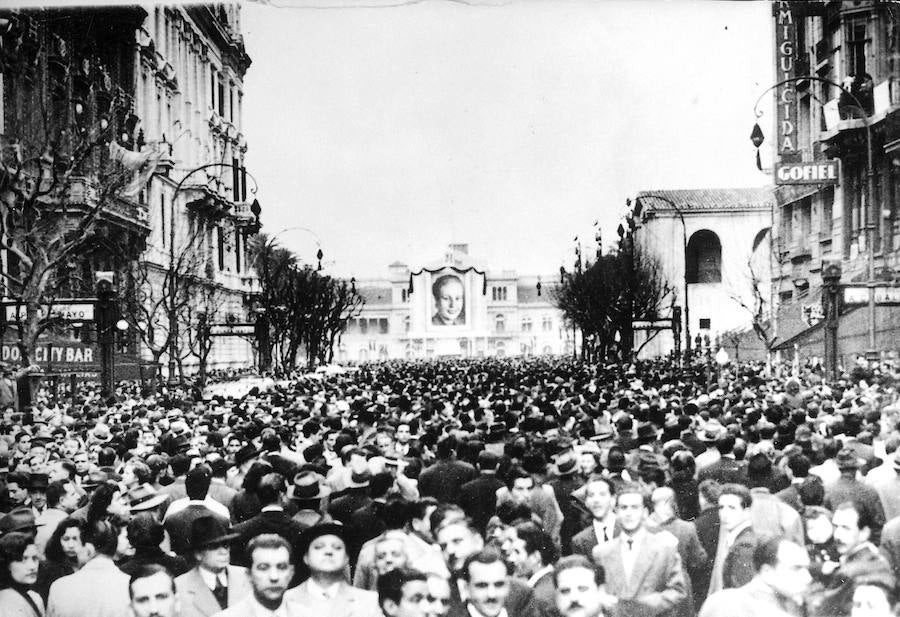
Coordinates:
712 246
190 66
454 307
855 45
166 79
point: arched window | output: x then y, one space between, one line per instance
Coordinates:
703 258
500 323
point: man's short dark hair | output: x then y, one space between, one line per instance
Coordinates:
197 481
571 562
390 584
766 552
271 488
269 541
602 479
146 571
799 465
180 464
55 492
740 491
536 539
487 460
486 556
517 473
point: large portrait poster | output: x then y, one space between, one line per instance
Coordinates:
448 295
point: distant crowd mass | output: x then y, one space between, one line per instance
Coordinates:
541 487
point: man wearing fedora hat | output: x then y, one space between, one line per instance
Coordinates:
212 585
326 593
308 494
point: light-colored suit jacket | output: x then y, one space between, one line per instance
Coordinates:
349 602
197 600
656 585
99 589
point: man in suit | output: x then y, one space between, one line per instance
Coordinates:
218 489
726 469
271 571
485 577
782 576
532 554
478 497
860 559
643 570
179 522
733 563
212 585
152 592
707 524
272 518
599 496
444 479
354 497
458 540
566 482
180 464
693 557
99 588
326 593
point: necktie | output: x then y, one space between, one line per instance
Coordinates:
221 593
630 544
605 535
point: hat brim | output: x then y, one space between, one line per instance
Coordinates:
228 537
153 502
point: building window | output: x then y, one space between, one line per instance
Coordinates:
363 326
498 294
237 249
705 323
805 222
220 96
407 324
827 212
221 247
857 41
526 324
547 323
383 325
162 217
231 105
235 180
404 295
500 323
703 261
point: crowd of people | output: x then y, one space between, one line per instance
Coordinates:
541 487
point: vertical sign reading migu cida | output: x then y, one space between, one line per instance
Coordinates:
786 15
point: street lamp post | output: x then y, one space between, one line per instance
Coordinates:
684 245
173 306
757 138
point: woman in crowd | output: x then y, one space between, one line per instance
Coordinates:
18 575
64 549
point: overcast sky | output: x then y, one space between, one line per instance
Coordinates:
391 132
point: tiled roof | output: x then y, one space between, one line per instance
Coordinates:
708 199
375 295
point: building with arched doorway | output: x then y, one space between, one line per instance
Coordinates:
712 246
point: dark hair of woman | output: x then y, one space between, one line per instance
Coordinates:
54 550
12 548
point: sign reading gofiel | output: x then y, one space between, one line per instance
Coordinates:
817 172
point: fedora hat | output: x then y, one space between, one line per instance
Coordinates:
209 530
95 478
646 433
145 497
566 465
308 485
18 519
317 531
246 453
38 481
359 480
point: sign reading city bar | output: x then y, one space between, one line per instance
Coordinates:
819 172
884 295
59 354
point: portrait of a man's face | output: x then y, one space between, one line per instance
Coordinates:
449 301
